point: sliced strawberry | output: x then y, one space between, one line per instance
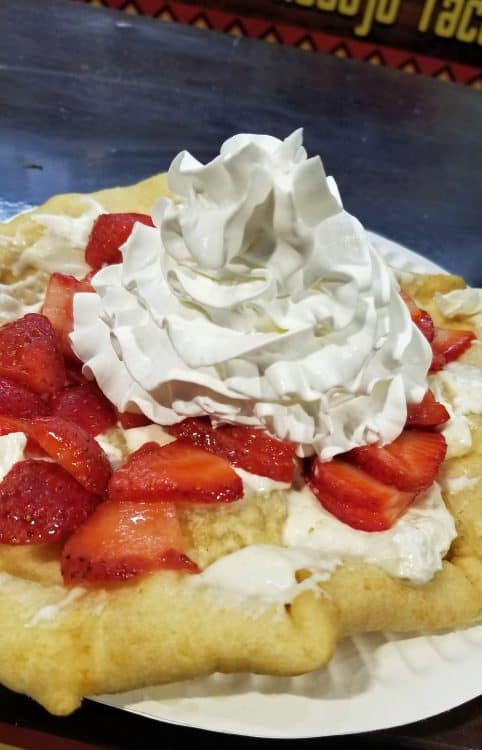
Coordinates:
197 430
410 463
428 413
179 471
85 405
420 317
448 345
69 445
30 354
40 502
109 232
58 307
75 450
125 540
73 372
355 497
249 448
130 419
438 363
17 400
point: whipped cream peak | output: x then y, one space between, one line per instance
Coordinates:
255 300
256 200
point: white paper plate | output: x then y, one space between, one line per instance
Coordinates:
375 681
11 209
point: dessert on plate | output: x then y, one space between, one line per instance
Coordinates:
229 435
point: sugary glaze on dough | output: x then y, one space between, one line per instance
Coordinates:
164 628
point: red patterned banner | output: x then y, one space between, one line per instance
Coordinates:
439 38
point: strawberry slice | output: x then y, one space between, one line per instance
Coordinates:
130 419
73 372
247 447
17 400
85 405
448 345
410 463
355 497
179 471
428 413
30 354
58 307
125 540
109 232
420 317
40 502
69 445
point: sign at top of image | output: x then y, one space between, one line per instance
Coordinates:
448 19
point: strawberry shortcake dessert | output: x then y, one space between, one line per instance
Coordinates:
231 434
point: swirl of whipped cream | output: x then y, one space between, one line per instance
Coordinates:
255 300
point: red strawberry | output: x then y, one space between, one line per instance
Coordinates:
17 400
74 375
410 463
40 502
420 317
449 344
355 497
109 232
58 307
428 413
30 355
85 405
125 540
130 419
69 445
178 471
249 448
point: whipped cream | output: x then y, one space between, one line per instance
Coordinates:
12 447
255 300
460 483
266 572
318 542
135 437
12 298
459 388
255 483
411 549
60 232
460 302
463 386
52 611
112 451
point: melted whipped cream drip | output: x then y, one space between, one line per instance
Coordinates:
256 300
13 296
459 388
60 233
460 302
315 540
411 549
265 572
